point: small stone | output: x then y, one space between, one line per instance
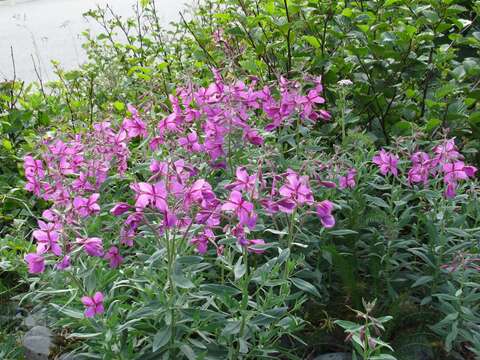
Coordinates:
34 319
37 343
335 356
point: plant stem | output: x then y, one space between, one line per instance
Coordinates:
244 305
289 45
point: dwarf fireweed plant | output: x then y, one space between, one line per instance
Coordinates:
173 214
411 229
365 336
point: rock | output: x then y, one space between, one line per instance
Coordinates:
335 356
37 343
34 319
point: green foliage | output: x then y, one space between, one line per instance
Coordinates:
412 63
415 73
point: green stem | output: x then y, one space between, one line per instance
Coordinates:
171 261
244 305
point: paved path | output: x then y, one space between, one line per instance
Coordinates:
50 29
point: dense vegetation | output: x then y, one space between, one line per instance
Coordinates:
265 178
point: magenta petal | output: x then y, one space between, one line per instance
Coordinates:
328 221
87 301
40 235
98 297
228 206
142 201
90 312
286 205
235 197
99 309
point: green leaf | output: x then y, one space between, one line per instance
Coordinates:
432 124
69 312
188 352
221 290
180 280
305 286
189 260
422 280
83 336
161 338
240 269
343 232
312 40
119 106
377 201
347 12
283 256
383 357
391 2
7 144
232 328
347 325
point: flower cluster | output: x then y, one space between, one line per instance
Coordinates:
175 199
446 161
70 175
204 117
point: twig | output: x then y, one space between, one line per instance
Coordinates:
198 41
289 45
42 89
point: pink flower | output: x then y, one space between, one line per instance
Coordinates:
34 186
159 167
169 219
324 213
457 170
93 304
36 263
254 242
387 162
252 136
87 206
47 237
454 171
113 254
244 182
309 101
147 194
92 246
134 126
33 168
421 168
190 142
297 190
127 235
82 183
50 215
239 232
328 184
120 208
200 192
201 240
242 208
64 263
446 152
347 181
324 115
450 190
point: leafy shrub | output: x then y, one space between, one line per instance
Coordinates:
223 217
413 63
221 177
